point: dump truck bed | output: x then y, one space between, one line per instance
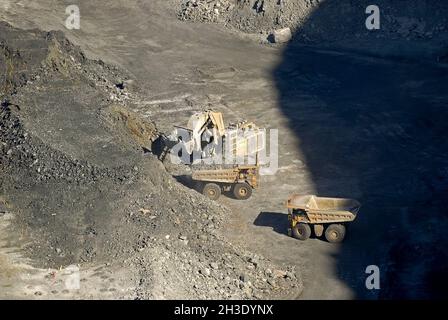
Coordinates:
233 175
216 175
325 210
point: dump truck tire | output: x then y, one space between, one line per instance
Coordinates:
301 231
211 191
335 233
242 191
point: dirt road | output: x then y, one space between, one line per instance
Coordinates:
181 67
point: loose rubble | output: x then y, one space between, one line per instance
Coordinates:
317 21
205 11
76 175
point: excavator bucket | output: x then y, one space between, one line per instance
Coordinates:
218 121
201 122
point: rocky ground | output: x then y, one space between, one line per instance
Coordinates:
254 16
317 21
360 114
80 190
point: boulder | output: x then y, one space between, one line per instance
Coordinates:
281 35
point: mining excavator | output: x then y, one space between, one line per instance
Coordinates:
206 131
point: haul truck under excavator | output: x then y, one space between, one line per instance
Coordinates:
239 140
240 180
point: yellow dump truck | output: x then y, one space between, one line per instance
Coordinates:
326 216
239 179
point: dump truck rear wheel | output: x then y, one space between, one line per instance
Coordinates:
301 231
335 233
242 191
211 191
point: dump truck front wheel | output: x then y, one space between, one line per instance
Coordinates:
301 231
335 233
242 191
211 191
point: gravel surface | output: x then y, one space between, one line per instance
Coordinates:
84 192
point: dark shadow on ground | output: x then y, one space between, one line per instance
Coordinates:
187 181
373 129
276 220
